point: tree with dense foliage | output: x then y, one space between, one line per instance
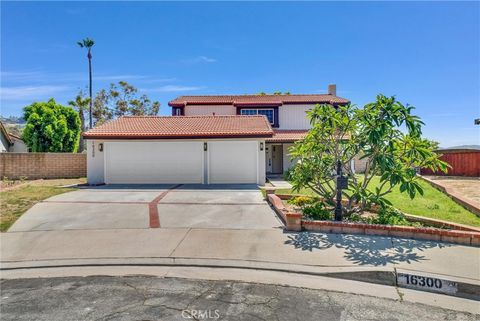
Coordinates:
122 99
385 133
51 127
81 104
88 44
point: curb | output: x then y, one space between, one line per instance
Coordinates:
382 276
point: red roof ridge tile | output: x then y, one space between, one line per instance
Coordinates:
253 99
191 116
257 95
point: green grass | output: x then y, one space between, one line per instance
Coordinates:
15 202
433 204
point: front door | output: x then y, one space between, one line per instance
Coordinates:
277 159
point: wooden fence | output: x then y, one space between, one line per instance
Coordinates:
463 162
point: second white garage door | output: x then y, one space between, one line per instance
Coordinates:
139 162
232 162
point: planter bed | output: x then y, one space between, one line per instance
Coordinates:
295 222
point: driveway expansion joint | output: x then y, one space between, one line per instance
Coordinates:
183 238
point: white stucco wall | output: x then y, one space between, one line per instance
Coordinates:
3 143
289 116
3 148
18 146
96 161
193 110
261 164
287 162
293 116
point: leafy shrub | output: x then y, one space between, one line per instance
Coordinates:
302 201
287 175
312 208
317 211
355 217
390 216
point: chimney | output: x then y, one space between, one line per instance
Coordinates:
332 90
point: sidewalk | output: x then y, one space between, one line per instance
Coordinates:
263 249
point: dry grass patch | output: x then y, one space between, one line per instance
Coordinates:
17 200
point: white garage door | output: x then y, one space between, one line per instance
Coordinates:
153 162
232 162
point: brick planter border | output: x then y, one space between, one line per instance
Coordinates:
414 218
294 222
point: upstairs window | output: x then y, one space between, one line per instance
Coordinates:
267 112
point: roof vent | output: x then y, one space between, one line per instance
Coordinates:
332 90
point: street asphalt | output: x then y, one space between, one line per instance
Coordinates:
151 298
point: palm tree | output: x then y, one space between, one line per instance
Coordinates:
88 43
80 104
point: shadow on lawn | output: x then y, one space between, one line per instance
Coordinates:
363 249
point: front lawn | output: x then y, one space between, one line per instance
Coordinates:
16 201
433 204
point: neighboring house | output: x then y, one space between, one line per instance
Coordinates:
18 145
11 143
286 114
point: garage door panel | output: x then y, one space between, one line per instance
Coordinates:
232 162
153 162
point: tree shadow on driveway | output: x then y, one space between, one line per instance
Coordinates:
363 249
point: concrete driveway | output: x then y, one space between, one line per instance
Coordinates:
152 206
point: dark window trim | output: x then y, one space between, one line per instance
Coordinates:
275 113
174 111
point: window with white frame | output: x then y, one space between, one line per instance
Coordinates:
267 112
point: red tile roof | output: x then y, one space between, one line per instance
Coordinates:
271 100
150 127
286 136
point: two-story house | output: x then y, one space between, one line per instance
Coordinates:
207 140
286 114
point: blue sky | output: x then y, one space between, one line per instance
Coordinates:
427 54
